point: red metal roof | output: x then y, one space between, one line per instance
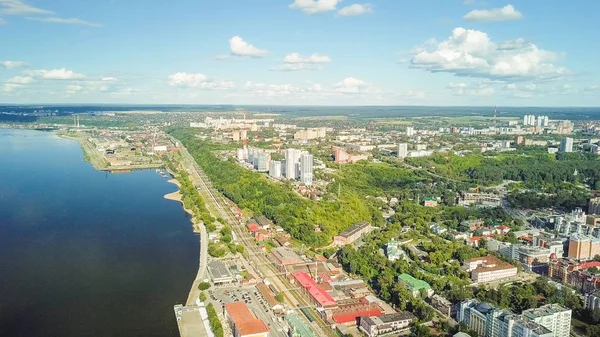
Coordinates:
253 227
317 293
351 316
245 322
590 264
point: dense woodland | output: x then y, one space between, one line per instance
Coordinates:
297 215
532 167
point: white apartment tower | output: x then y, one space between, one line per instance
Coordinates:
402 150
552 316
306 169
410 131
566 145
292 156
275 169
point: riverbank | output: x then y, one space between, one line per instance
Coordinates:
99 162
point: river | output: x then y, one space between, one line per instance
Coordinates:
84 252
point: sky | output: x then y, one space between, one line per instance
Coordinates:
301 52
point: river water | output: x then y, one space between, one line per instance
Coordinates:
84 252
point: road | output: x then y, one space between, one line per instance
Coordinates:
257 258
195 292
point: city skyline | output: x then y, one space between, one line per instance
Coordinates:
296 52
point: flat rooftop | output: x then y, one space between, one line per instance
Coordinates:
354 228
218 270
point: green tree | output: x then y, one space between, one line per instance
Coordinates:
279 297
203 285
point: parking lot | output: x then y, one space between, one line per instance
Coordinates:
254 301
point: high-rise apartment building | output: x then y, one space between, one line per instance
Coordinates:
402 150
583 247
410 131
306 169
275 169
552 316
263 161
550 320
594 206
292 157
566 145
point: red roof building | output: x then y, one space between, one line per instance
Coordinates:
244 322
348 314
253 227
319 296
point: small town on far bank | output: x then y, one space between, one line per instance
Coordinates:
415 226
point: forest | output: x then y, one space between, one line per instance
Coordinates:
533 167
297 215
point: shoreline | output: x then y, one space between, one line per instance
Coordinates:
98 161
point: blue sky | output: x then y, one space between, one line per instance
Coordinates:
318 52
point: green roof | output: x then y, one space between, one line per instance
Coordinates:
298 326
413 283
431 199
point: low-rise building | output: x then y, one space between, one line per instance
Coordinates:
415 285
243 322
317 295
352 233
379 325
298 327
219 272
267 294
442 305
592 301
284 256
489 268
393 250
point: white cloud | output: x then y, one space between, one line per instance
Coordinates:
314 58
56 74
505 13
413 94
355 9
108 79
73 89
13 64
296 67
221 57
240 47
68 21
295 62
472 53
21 80
199 81
16 82
464 89
271 90
351 85
18 7
315 6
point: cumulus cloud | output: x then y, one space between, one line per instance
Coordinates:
17 82
505 13
18 7
464 89
314 58
68 21
13 64
239 47
315 6
295 62
56 74
108 79
21 80
271 90
355 9
200 81
351 85
472 53
73 89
